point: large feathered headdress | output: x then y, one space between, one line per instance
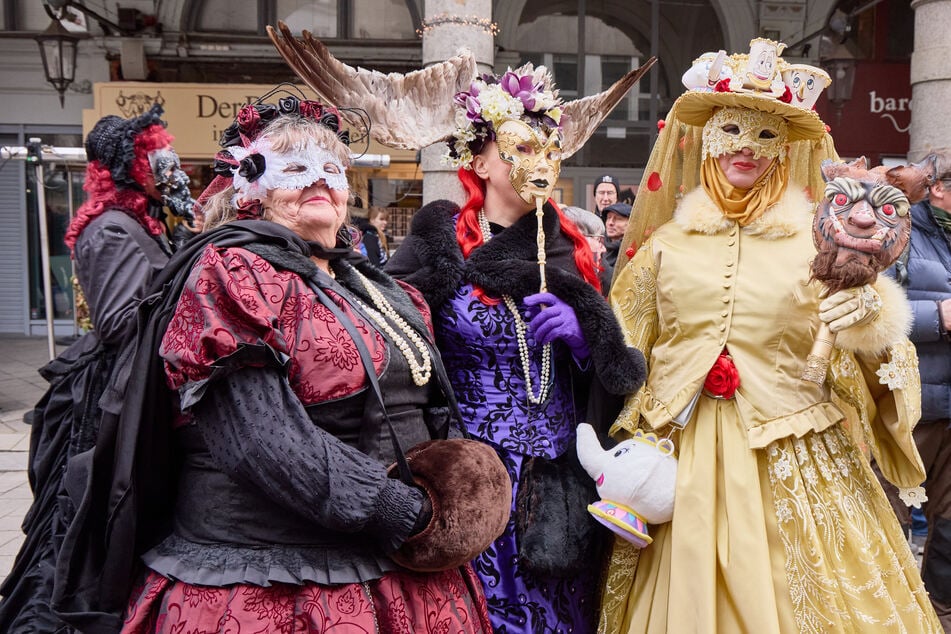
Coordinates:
420 108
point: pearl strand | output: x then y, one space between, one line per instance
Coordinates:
520 330
420 370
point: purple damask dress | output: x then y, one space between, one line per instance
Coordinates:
480 351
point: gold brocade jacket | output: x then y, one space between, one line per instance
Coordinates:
702 283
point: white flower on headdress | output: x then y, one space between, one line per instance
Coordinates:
545 101
461 120
499 106
463 155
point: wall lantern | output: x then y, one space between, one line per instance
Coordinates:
58 50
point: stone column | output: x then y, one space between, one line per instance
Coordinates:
440 42
930 78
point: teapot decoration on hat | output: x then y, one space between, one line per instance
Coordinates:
636 480
707 71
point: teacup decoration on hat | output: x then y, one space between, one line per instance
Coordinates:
707 71
762 64
806 83
757 84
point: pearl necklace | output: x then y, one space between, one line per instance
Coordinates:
421 370
520 330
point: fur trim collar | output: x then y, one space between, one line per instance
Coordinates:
507 265
793 213
435 264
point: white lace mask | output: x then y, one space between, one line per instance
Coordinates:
297 169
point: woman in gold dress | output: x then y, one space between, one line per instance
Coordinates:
779 524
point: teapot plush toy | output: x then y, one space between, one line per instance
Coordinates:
635 479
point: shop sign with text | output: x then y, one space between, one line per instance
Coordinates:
196 113
876 120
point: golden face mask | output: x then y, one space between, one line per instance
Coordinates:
730 130
535 158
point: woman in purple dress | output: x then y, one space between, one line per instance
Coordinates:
520 361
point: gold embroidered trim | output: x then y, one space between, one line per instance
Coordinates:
847 566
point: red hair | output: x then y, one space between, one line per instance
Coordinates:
103 195
469 234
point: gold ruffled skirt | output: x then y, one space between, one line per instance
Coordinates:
795 537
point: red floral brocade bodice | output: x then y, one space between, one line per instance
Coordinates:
236 297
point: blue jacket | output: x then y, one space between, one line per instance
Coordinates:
929 280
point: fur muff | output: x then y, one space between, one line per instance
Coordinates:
471 494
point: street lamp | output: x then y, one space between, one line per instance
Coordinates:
842 72
58 50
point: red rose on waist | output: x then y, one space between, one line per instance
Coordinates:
723 379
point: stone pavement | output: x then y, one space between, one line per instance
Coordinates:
20 388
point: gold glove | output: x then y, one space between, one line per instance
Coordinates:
850 307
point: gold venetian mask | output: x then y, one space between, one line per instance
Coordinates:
730 130
535 158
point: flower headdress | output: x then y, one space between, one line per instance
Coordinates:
525 94
415 110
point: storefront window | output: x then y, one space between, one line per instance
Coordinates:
224 16
382 20
25 15
565 73
62 188
353 19
317 16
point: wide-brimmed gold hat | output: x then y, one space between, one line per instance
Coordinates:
695 108
753 81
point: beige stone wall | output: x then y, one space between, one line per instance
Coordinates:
440 43
930 78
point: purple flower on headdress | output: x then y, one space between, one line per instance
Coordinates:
474 110
549 122
470 101
522 88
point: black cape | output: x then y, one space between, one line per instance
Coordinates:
123 487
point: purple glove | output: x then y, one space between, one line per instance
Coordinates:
557 321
